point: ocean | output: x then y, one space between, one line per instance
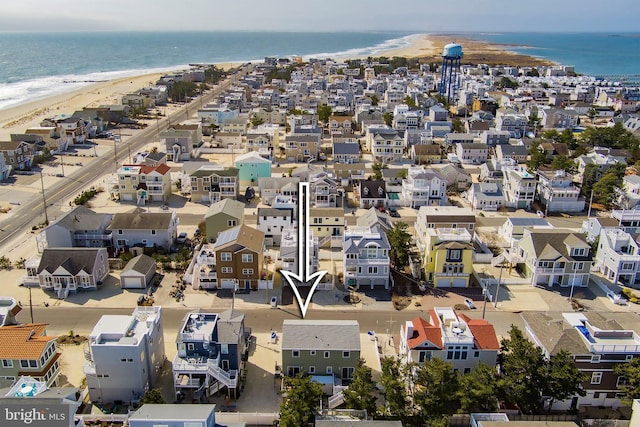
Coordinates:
37 65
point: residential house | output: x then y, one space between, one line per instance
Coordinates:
444 217
486 196
423 187
65 270
180 141
456 176
437 113
271 116
600 161
155 159
272 222
269 188
452 139
289 254
555 257
370 193
79 227
221 216
49 136
212 183
327 225
618 257
323 189
472 153
630 194
17 154
301 148
450 336
512 122
251 167
217 114
125 355
321 348
212 351
494 138
239 253
72 129
340 125
558 118
9 308
145 229
518 153
174 415
235 125
512 230
557 191
346 152
591 227
263 142
348 173
27 350
386 145
448 254
372 218
142 184
598 342
628 220
426 153
138 273
366 258
5 169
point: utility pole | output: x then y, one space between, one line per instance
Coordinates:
62 162
44 199
30 305
590 203
115 155
499 280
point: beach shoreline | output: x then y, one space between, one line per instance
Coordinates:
428 47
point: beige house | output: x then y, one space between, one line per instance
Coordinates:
301 148
212 183
142 184
327 225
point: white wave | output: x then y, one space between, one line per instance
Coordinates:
386 45
16 93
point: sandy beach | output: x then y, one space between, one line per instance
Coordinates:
425 46
21 117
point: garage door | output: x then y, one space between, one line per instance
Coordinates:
459 282
227 284
131 282
127 197
575 281
442 283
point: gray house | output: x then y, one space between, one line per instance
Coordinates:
324 348
146 229
173 415
138 273
125 356
80 227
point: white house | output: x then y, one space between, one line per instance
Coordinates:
618 257
272 222
366 258
472 152
486 196
557 191
146 229
423 187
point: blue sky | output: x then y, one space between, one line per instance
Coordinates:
322 15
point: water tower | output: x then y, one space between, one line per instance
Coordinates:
450 72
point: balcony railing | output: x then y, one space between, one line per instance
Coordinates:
545 270
189 365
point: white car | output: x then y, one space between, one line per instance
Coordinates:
616 299
470 304
182 237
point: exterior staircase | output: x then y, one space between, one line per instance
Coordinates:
336 400
227 378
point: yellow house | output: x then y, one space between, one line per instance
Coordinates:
328 226
448 257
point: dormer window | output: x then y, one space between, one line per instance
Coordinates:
579 252
380 191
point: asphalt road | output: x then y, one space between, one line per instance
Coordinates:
82 319
33 212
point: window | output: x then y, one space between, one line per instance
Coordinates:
629 357
224 348
7 363
295 353
190 346
326 354
329 370
24 363
457 352
346 354
424 356
596 378
595 358
312 369
231 223
227 270
225 256
467 370
579 252
312 352
247 257
247 271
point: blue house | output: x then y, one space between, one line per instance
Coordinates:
252 166
212 350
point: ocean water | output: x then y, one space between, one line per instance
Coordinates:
37 65
590 53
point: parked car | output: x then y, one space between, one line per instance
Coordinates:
540 214
393 213
470 304
182 237
616 299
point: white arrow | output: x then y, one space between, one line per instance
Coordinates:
304 276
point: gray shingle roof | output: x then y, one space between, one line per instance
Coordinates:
142 263
321 334
346 148
74 260
141 221
230 207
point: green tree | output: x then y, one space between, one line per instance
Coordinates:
402 174
388 118
563 378
537 157
563 163
302 401
478 389
152 396
458 125
522 367
507 83
324 112
590 176
410 101
567 137
630 373
436 388
181 90
360 393
374 99
394 387
605 190
551 134
377 170
256 121
400 242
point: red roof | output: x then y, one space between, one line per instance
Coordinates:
425 332
484 335
162 169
